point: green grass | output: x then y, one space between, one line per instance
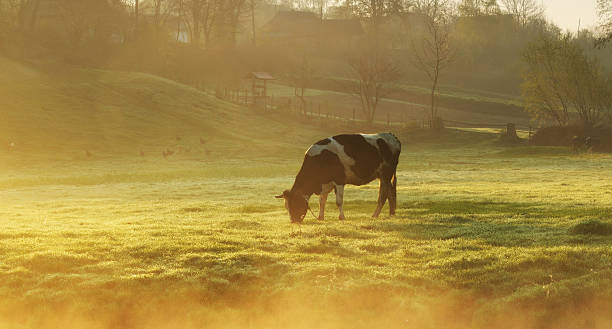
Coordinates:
68 113
486 236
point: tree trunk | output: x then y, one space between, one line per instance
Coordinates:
34 16
433 100
253 22
136 3
196 11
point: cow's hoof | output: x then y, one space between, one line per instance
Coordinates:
320 218
341 218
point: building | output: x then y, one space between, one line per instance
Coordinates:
300 28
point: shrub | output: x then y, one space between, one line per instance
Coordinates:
592 227
562 136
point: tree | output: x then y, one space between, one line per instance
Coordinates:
162 10
478 7
8 15
234 12
136 17
253 28
88 19
470 8
373 10
193 18
432 52
302 77
524 11
560 79
604 11
229 15
19 14
374 71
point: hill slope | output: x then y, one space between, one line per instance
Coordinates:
68 112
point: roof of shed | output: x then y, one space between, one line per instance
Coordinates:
260 76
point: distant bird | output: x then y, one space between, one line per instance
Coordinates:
167 153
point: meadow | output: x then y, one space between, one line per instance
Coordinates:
485 236
99 230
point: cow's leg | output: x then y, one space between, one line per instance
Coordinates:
340 200
322 200
383 193
393 195
325 189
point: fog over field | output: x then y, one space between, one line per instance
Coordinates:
161 163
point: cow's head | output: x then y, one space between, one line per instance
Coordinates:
296 204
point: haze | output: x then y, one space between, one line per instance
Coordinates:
259 164
566 13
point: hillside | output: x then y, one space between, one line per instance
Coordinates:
78 113
410 102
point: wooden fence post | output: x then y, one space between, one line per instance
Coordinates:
529 133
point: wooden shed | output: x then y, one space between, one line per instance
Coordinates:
260 79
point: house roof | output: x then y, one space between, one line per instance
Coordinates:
260 76
308 24
346 27
292 23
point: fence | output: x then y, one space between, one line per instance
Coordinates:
316 111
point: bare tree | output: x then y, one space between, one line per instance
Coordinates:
230 14
478 7
375 72
136 17
253 31
21 14
432 52
162 10
9 13
561 79
604 11
301 77
524 11
235 11
373 10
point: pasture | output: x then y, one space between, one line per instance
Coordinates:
486 236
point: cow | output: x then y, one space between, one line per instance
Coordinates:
331 163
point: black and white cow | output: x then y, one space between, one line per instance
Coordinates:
333 162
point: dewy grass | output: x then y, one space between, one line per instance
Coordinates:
485 236
475 237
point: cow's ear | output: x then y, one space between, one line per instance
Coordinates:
284 195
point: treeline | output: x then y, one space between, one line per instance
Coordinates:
498 46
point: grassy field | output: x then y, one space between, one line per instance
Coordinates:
408 102
486 235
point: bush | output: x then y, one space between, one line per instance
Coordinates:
592 227
563 135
